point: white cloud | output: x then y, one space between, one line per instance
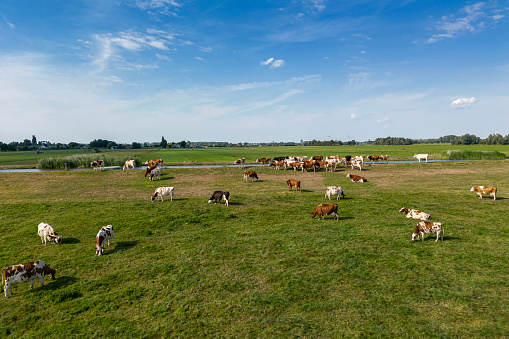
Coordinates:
277 63
463 102
498 17
383 120
267 62
353 116
11 26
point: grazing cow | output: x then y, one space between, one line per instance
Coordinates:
218 195
384 158
47 233
294 165
415 214
326 209
104 234
25 272
374 158
241 162
263 160
154 162
129 163
421 157
334 190
317 157
98 164
355 178
278 164
161 192
309 164
428 227
155 173
480 190
293 182
150 169
250 174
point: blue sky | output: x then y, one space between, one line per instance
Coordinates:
252 71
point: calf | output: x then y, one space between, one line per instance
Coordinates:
218 195
334 190
129 163
98 164
25 272
46 232
428 227
241 162
356 178
155 173
415 214
293 182
250 174
421 157
150 169
104 234
263 160
161 192
480 190
326 209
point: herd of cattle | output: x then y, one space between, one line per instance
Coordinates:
38 269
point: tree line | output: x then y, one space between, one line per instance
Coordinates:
466 139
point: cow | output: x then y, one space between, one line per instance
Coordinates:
309 164
155 173
421 157
98 164
415 214
104 234
359 158
25 272
129 163
293 182
241 162
47 233
301 158
277 164
218 195
384 157
294 164
428 227
354 163
326 209
480 190
250 174
150 169
356 178
374 158
334 190
161 192
154 162
263 160
280 158
317 157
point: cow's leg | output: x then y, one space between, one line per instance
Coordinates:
115 239
422 235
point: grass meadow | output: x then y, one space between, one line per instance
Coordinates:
261 267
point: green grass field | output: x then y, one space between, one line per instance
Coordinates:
260 267
229 154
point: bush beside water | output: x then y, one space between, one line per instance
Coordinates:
83 160
464 154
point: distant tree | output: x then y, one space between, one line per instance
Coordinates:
73 144
182 144
34 140
164 143
136 145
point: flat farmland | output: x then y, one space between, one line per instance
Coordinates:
261 267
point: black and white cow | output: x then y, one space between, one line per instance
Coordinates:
104 234
25 272
218 195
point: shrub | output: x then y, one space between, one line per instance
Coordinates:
464 154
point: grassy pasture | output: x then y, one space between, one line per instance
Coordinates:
260 267
229 154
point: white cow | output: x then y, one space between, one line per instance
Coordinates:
104 234
415 214
155 173
129 163
421 157
334 190
46 232
25 272
161 192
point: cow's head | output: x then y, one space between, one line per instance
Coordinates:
154 196
472 189
52 273
415 236
58 239
403 210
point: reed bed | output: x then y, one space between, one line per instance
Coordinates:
467 154
83 160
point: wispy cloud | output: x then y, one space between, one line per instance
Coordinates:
163 7
463 102
267 62
353 116
470 19
273 63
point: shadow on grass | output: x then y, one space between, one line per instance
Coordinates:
122 246
234 203
59 282
446 237
70 241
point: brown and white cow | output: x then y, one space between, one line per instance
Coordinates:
384 158
263 160
98 164
293 182
317 157
294 164
415 214
356 178
428 227
150 169
334 190
250 174
326 209
104 234
241 162
355 163
154 162
25 272
218 195
309 164
480 190
47 233
374 158
161 192
278 164
155 173
129 163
